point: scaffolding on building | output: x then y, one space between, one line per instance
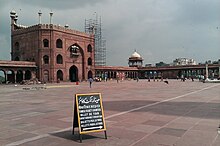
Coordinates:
94 26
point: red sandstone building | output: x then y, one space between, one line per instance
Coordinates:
59 52
53 53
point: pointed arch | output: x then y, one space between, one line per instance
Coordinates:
46 76
77 53
73 73
89 48
10 76
89 61
46 43
19 76
46 59
59 43
59 59
60 75
2 76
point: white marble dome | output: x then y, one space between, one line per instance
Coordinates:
135 55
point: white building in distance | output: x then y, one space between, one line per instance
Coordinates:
184 61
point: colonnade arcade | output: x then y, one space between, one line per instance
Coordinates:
15 75
116 74
212 72
17 71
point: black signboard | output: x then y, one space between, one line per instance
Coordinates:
88 113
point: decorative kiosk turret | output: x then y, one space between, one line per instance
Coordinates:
135 60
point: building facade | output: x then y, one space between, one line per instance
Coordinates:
60 53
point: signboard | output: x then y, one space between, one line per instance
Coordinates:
88 113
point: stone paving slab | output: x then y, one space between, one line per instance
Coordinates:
197 138
171 132
21 137
137 114
158 140
144 128
155 123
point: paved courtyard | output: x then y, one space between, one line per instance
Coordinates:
137 114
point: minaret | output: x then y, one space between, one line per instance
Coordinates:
51 14
39 13
14 18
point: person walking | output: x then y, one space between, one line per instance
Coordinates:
90 82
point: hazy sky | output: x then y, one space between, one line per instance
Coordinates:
160 30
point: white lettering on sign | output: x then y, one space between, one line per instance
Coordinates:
87 100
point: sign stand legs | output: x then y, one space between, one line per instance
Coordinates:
105 134
73 131
80 138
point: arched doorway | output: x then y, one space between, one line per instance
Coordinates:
89 74
27 75
19 76
10 76
59 75
2 76
46 75
59 59
77 54
73 74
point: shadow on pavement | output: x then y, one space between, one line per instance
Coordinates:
68 136
187 109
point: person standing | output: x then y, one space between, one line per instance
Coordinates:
90 82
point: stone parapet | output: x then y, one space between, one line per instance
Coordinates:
53 27
4 63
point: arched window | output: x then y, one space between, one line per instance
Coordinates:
2 76
17 46
46 43
59 59
59 43
46 59
89 48
89 61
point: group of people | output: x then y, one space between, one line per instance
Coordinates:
183 78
